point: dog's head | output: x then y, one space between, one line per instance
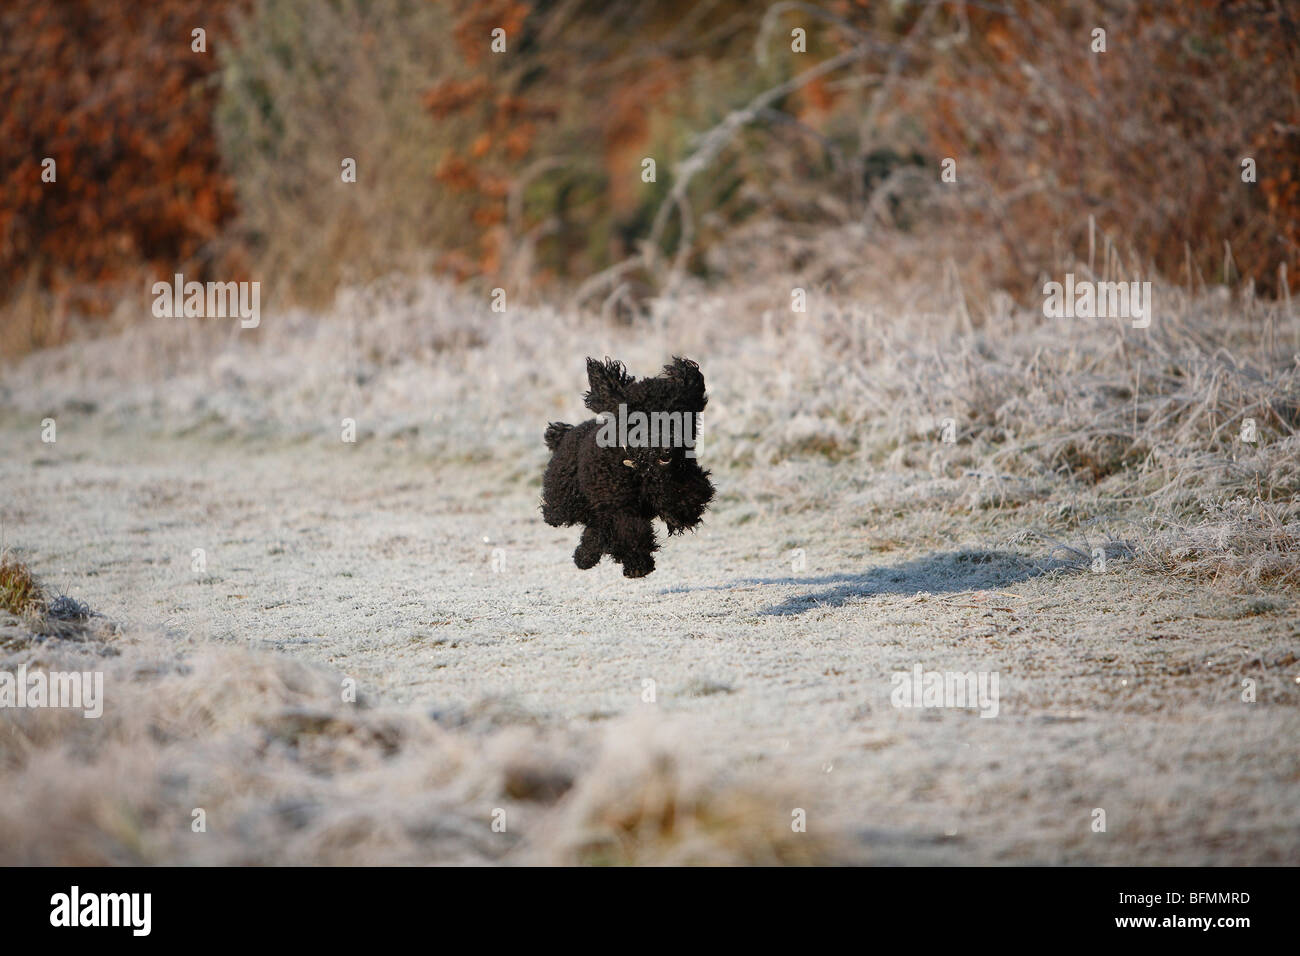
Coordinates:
656 418
678 388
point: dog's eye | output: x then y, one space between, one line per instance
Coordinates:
665 461
629 462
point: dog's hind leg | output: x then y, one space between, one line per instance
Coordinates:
558 511
589 550
562 503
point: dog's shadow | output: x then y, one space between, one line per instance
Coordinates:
941 573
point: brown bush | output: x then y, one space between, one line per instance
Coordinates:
113 93
1147 137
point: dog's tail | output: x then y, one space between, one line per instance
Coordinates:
555 433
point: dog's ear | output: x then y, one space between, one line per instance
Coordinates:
608 380
688 385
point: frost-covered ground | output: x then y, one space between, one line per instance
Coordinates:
694 715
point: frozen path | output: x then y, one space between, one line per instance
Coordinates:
439 590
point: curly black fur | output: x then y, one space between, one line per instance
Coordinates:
615 492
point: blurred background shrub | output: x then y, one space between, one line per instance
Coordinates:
306 85
110 90
524 169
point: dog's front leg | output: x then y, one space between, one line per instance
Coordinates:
685 499
633 543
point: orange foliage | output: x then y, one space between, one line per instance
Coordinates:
1148 136
475 25
123 106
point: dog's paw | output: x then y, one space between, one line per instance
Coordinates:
586 559
638 566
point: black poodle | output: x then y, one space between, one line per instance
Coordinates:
634 462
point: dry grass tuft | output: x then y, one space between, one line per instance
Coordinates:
1240 540
641 807
20 593
287 773
37 615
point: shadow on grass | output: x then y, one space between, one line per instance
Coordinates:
943 573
